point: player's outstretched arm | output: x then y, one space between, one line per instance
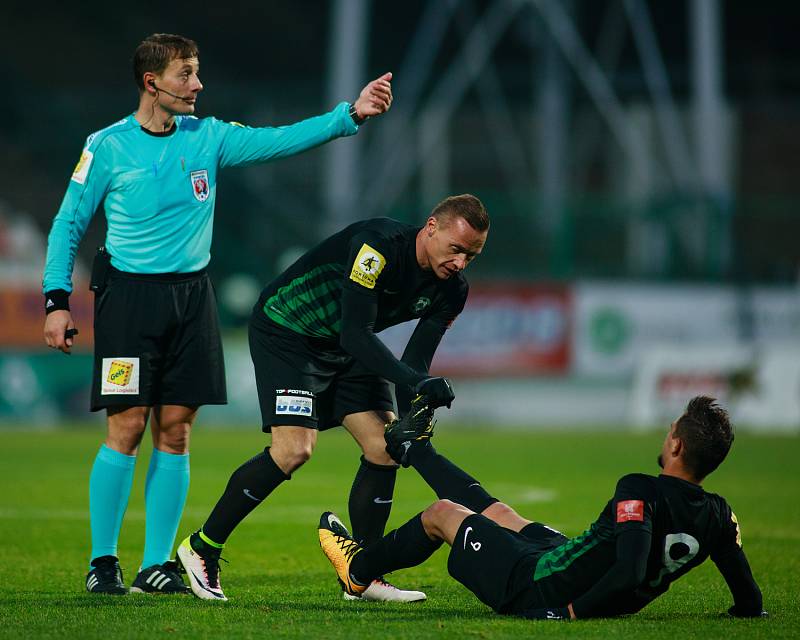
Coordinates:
418 354
747 600
241 146
358 338
375 98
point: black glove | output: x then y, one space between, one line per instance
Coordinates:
552 613
416 426
437 391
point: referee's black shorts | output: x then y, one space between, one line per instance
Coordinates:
309 382
157 342
498 564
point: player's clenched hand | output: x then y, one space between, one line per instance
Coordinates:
56 326
375 98
437 391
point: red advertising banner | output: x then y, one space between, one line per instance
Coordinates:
22 317
506 329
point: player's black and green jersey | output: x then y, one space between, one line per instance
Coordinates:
653 531
358 282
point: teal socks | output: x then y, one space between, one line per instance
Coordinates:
109 489
165 493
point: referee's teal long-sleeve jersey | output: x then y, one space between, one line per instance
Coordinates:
158 191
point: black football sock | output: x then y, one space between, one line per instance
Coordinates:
371 500
532 530
404 547
446 479
247 487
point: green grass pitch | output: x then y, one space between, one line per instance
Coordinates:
281 586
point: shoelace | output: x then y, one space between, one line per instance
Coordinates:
213 570
170 569
107 571
384 582
348 545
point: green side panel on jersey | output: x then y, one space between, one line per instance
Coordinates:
560 558
309 304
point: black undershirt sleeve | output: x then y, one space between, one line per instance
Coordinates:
357 337
627 573
735 569
418 354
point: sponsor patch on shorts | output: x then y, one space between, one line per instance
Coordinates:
120 376
294 406
630 510
367 266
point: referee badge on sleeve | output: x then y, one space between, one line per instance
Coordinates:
120 376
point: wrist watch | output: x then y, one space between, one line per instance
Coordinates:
354 115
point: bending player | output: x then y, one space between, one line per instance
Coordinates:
654 530
319 363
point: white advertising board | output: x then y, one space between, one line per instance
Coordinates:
616 323
760 386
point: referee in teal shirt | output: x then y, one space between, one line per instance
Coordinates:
158 353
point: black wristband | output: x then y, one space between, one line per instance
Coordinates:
56 300
354 115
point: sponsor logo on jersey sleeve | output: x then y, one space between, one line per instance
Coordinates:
200 187
630 511
367 267
82 168
120 376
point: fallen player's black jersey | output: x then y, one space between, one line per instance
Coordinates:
653 531
358 282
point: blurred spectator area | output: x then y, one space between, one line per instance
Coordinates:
563 209
638 159
22 254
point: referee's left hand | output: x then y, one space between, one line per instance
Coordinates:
375 98
56 325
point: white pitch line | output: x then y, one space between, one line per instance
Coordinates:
513 494
273 514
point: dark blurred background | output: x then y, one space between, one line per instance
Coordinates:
635 142
66 72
